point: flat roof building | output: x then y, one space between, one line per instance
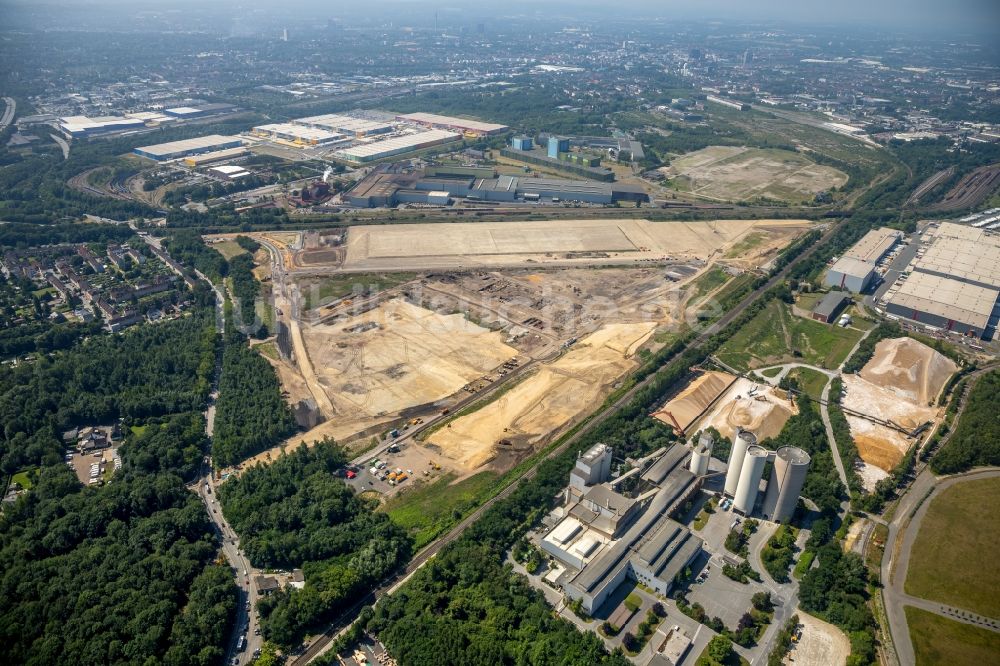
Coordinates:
177 149
830 306
850 273
348 125
215 156
82 126
955 285
875 244
377 150
604 537
298 135
470 127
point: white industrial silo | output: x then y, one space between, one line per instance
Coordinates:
741 442
791 464
750 476
700 456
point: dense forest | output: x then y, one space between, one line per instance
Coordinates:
976 438
465 607
15 235
245 287
122 573
251 414
295 512
145 371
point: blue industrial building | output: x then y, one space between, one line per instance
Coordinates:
557 144
522 143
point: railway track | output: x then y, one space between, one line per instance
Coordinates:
587 426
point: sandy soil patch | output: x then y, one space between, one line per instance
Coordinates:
399 355
437 245
877 444
546 402
757 407
736 174
910 369
690 403
903 377
822 644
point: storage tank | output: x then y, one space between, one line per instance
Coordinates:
750 476
699 459
741 442
790 467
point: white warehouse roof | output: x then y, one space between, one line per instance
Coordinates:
449 121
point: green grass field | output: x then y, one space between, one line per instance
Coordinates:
338 286
706 283
810 381
938 640
747 243
947 560
268 349
775 336
429 508
23 478
228 249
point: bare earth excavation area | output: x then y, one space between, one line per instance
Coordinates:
899 384
438 246
547 401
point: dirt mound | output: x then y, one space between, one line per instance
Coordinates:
909 368
690 403
765 417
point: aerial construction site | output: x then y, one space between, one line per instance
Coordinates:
488 340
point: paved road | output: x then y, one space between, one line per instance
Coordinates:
8 113
319 645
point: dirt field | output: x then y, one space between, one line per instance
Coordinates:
561 242
545 403
728 173
903 377
822 644
910 369
398 356
689 404
764 413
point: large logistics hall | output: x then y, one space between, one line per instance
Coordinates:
855 270
954 284
468 127
354 127
178 149
370 152
298 135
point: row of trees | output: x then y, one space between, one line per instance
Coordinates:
295 512
976 438
251 414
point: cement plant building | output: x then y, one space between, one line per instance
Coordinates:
602 537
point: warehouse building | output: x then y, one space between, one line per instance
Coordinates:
603 537
82 126
855 270
378 150
467 127
297 135
216 156
955 285
178 149
830 306
199 110
356 128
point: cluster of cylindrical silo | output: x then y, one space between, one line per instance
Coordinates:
746 468
701 455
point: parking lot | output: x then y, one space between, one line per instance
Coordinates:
381 473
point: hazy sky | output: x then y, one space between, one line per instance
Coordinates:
928 15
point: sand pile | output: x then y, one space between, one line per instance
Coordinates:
753 406
689 404
909 369
543 404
